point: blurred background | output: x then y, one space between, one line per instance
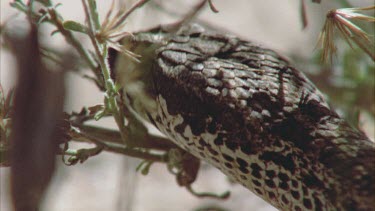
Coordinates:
109 181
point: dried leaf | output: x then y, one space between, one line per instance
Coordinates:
339 20
303 14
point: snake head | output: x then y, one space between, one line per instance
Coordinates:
136 76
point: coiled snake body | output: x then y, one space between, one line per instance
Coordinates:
246 111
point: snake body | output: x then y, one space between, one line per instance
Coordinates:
245 110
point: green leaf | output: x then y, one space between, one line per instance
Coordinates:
46 3
18 4
144 167
99 114
42 18
117 87
94 13
74 26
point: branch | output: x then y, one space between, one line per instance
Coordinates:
116 147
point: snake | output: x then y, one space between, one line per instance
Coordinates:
245 110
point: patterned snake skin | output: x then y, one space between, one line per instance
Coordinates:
246 111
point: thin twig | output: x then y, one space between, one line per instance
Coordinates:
102 53
117 148
190 15
130 11
148 141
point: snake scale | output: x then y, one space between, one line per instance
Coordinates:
245 110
